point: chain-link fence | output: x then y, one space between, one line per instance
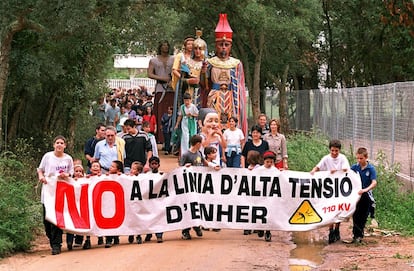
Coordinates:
376 117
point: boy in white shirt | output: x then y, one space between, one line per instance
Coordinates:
333 162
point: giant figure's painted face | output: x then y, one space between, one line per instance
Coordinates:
223 48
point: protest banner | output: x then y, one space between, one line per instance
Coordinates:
230 198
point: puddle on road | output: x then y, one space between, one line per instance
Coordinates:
307 254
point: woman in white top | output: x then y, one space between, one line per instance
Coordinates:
59 164
234 138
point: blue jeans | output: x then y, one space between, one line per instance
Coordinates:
233 160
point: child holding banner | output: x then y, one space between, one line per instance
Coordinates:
154 164
369 182
210 154
95 170
269 159
254 160
193 157
54 163
117 167
333 162
136 169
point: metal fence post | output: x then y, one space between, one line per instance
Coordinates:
371 142
394 93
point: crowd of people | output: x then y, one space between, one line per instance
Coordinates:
202 115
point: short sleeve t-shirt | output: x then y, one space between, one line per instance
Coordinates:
194 158
328 163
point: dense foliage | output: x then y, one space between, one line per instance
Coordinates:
19 207
395 206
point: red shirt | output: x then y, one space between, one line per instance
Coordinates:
152 120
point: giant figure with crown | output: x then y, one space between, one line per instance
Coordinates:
226 90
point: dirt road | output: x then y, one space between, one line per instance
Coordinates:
226 250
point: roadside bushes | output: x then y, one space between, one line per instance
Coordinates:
395 207
19 210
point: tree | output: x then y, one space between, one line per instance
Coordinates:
61 66
10 26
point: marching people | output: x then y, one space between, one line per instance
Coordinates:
117 167
269 159
138 146
112 113
154 163
90 144
254 160
110 149
262 123
277 144
256 144
78 173
234 138
193 157
151 118
210 154
59 164
166 121
368 176
146 129
136 169
334 161
187 122
95 170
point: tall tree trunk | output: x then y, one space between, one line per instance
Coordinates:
71 138
14 121
284 121
253 82
330 78
256 76
5 48
48 117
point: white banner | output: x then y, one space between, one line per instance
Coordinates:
229 198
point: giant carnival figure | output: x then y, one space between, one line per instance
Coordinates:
226 91
187 68
159 69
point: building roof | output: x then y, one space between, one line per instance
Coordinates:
131 61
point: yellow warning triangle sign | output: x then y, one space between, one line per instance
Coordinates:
305 214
